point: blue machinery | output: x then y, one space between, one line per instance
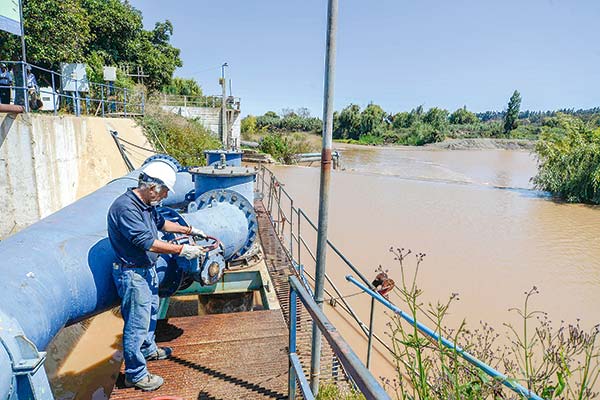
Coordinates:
57 271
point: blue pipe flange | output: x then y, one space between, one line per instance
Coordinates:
167 157
213 266
214 197
22 373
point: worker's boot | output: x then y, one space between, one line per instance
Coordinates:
147 383
162 353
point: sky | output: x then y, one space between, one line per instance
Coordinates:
395 53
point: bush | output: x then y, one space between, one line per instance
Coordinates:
248 125
283 147
569 165
181 138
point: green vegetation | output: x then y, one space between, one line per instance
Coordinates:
289 121
96 32
284 135
182 138
554 362
284 146
512 112
334 392
569 159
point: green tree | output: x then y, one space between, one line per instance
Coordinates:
159 58
55 31
437 118
462 116
373 120
347 125
183 87
248 124
512 113
115 25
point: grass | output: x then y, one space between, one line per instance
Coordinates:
334 392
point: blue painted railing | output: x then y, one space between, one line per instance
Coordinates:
360 375
511 384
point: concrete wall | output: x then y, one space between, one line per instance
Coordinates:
48 162
210 117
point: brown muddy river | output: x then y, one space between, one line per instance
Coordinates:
487 235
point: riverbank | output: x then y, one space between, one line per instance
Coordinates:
483 144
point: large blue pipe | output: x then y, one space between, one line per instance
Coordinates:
58 271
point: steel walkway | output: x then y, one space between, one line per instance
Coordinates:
220 356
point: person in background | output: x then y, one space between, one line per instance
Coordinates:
6 82
133 225
31 81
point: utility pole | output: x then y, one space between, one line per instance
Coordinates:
224 138
23 59
315 361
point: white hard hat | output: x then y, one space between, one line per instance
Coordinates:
163 171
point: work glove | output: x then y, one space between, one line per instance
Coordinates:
197 232
190 252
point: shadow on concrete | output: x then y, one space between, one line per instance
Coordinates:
7 123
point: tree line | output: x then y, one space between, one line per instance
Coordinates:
374 125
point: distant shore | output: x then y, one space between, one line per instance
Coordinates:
483 144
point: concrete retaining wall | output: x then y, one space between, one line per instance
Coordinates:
48 162
210 117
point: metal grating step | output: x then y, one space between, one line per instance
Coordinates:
220 356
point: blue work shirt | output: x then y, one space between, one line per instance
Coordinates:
132 228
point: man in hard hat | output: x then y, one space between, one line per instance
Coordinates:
133 225
6 82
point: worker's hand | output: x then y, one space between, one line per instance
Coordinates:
197 232
190 252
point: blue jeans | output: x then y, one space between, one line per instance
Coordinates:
138 289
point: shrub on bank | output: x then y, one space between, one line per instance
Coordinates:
283 146
180 137
569 163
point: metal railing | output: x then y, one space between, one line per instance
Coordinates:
172 100
360 375
87 98
291 224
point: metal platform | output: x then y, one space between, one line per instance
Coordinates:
220 356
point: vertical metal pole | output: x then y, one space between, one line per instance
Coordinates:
299 238
262 190
223 109
125 101
143 94
77 105
54 94
292 229
292 345
23 59
315 362
281 215
102 97
369 346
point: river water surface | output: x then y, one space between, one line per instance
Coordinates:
486 233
